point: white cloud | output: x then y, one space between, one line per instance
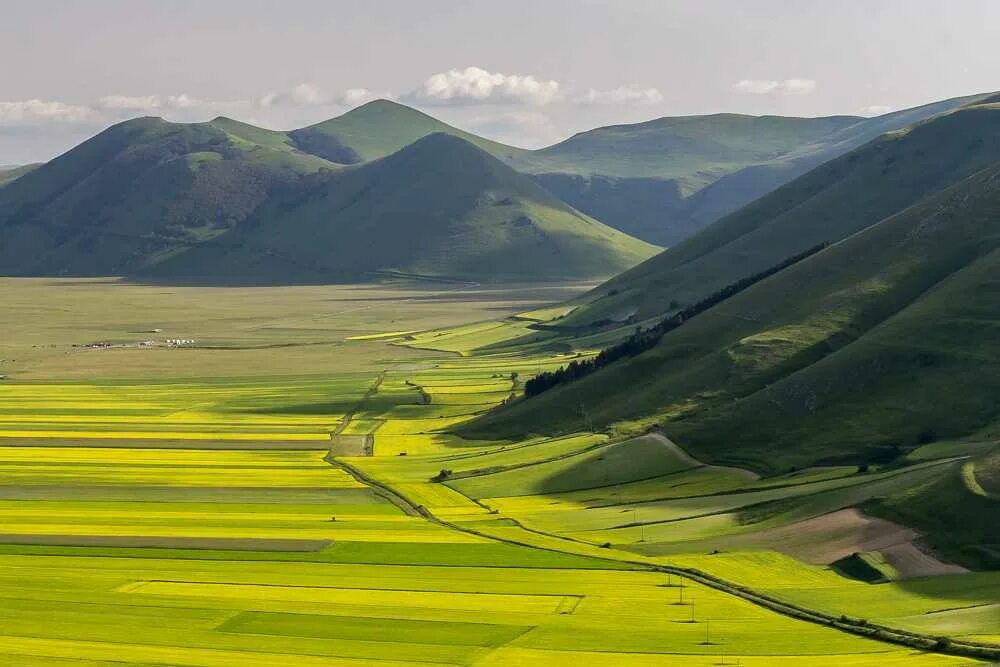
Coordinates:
630 94
875 110
755 86
130 103
474 85
34 111
152 102
308 93
268 100
772 86
352 97
798 86
184 101
311 95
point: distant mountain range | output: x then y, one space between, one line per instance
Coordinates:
660 180
226 199
229 201
438 207
835 200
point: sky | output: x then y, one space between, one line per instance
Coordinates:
528 73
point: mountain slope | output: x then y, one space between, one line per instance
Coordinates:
956 512
440 207
741 187
691 149
860 353
138 191
659 180
381 127
833 201
8 174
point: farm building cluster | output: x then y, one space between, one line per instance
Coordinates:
169 342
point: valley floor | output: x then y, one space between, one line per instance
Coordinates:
283 491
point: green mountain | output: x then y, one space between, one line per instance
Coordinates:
232 201
140 191
439 207
828 204
878 344
381 127
146 190
660 180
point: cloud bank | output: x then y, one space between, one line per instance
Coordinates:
468 87
631 94
36 111
775 87
474 85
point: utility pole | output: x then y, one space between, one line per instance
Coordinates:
642 528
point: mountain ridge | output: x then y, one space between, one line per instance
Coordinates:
386 216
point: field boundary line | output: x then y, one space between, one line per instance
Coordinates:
844 623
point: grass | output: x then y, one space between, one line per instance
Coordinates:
441 207
838 360
955 511
221 552
825 205
619 463
660 180
226 202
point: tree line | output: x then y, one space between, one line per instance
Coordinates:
644 339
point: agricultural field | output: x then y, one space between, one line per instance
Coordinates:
289 490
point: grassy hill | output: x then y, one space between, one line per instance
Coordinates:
139 191
381 127
881 342
828 204
146 190
440 207
694 150
956 512
660 180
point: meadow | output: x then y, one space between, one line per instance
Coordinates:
288 490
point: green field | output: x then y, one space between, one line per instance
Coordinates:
181 505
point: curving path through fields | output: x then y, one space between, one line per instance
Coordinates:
556 543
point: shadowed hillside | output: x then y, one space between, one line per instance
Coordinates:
440 207
826 205
139 191
9 174
957 511
859 353
660 180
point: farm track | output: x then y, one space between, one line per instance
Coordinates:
854 626
346 421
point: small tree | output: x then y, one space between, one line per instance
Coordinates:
441 476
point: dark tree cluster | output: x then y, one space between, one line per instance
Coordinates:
645 339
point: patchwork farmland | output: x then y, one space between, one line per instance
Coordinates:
216 505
